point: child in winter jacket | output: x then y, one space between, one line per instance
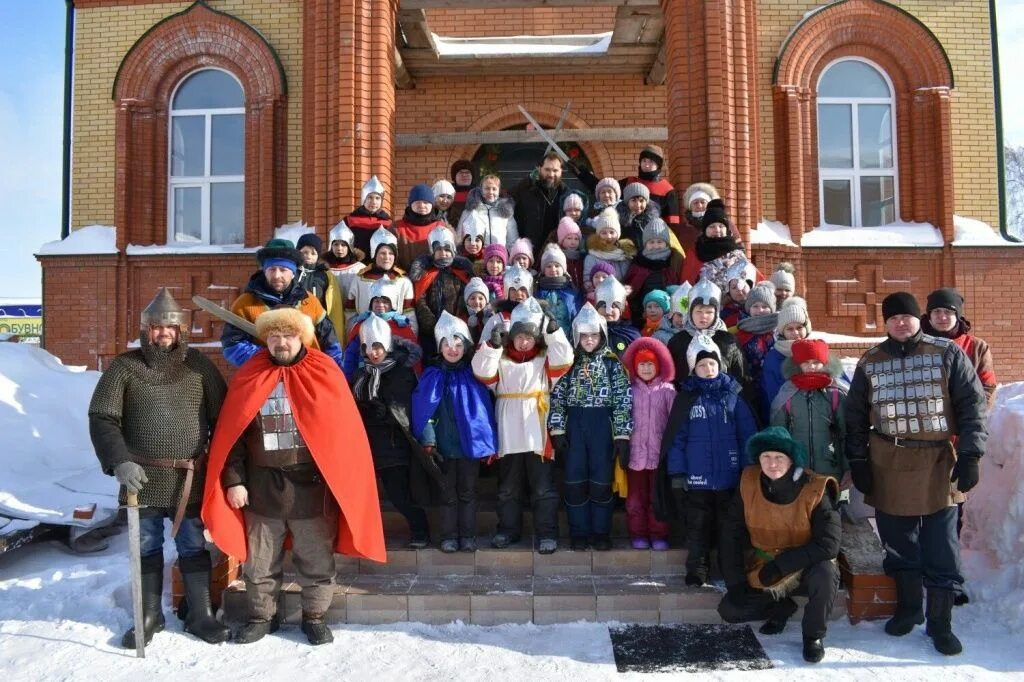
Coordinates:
382 389
756 336
555 289
570 239
477 297
606 195
607 246
384 252
438 281
810 407
495 261
343 258
672 323
702 316
716 248
656 306
590 424
792 324
369 216
453 416
610 297
315 277
415 225
521 366
656 267
650 367
385 296
704 450
521 254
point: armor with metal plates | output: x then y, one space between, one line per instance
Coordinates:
588 321
680 299
375 330
282 444
341 233
517 278
527 318
163 310
441 237
380 237
705 292
371 186
476 286
702 342
610 292
741 269
448 327
389 289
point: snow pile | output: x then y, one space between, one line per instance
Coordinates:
161 249
522 46
895 235
994 527
92 239
292 231
771 232
971 232
47 459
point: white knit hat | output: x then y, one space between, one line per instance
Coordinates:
794 309
609 217
783 277
443 187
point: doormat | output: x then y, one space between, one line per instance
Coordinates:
688 647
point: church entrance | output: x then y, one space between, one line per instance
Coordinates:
514 162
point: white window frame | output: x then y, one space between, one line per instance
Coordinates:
205 181
854 175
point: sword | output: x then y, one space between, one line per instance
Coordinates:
547 138
558 126
135 565
225 315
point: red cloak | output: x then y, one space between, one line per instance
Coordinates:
329 422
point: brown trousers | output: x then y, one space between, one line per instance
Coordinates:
312 554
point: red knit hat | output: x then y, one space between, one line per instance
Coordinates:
810 349
646 355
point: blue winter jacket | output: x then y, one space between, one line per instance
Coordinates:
562 299
772 378
620 335
708 447
468 403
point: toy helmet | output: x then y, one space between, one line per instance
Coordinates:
441 237
388 288
699 345
610 292
588 321
162 310
371 186
375 330
475 225
448 327
341 233
705 292
741 269
516 277
527 318
679 302
381 237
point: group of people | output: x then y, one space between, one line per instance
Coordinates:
632 345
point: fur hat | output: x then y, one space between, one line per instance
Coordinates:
636 189
572 200
715 213
288 320
900 303
443 187
566 227
776 439
421 192
498 250
460 165
553 254
655 229
521 246
947 298
660 297
279 252
654 153
783 277
764 292
610 183
702 346
810 349
609 217
698 189
794 309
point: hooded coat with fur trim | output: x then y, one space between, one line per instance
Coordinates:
652 404
499 218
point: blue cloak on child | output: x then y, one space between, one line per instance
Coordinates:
471 403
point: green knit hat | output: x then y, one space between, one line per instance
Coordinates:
778 439
279 252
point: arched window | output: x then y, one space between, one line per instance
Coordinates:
856 160
206 202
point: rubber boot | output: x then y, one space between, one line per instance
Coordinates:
152 600
814 650
255 630
940 622
200 621
909 604
316 630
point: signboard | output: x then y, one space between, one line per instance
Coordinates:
21 319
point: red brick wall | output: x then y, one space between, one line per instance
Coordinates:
80 303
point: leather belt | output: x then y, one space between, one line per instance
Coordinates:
189 465
909 442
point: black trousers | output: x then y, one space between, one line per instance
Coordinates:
705 524
529 467
395 482
925 544
819 582
458 508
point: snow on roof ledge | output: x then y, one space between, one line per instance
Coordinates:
292 231
894 235
971 232
92 239
523 46
194 249
771 232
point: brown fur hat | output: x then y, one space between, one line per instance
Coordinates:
286 319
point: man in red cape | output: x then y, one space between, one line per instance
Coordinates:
288 454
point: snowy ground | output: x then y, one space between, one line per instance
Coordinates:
61 616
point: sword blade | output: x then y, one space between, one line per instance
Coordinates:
225 315
544 135
558 126
135 566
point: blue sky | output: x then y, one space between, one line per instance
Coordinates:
31 104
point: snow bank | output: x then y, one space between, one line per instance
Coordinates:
971 232
522 46
896 235
92 239
994 526
47 458
771 232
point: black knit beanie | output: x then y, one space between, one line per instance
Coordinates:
900 303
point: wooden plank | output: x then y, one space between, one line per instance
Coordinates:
656 76
651 134
524 4
414 27
403 79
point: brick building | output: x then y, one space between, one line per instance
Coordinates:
855 112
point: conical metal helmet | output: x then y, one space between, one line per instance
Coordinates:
441 237
382 236
516 277
375 330
588 321
526 318
341 233
448 327
388 288
679 302
163 310
371 186
705 292
610 292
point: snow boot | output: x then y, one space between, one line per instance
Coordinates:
578 544
601 543
547 546
940 622
450 546
200 621
909 604
152 601
781 612
467 544
316 631
255 630
814 650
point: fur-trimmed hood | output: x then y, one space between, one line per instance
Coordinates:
420 266
503 207
595 248
705 187
666 368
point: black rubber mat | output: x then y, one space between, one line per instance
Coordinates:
687 648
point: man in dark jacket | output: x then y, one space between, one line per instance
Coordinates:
784 538
538 205
150 421
910 396
649 174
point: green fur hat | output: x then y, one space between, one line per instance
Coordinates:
778 439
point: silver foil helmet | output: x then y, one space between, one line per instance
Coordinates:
588 321
610 292
341 233
388 288
441 237
526 318
516 277
380 237
448 327
373 330
371 186
705 292
679 302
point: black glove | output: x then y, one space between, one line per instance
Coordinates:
860 472
551 327
620 448
966 472
497 339
560 443
770 574
378 410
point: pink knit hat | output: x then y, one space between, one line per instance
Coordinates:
567 226
521 246
498 250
